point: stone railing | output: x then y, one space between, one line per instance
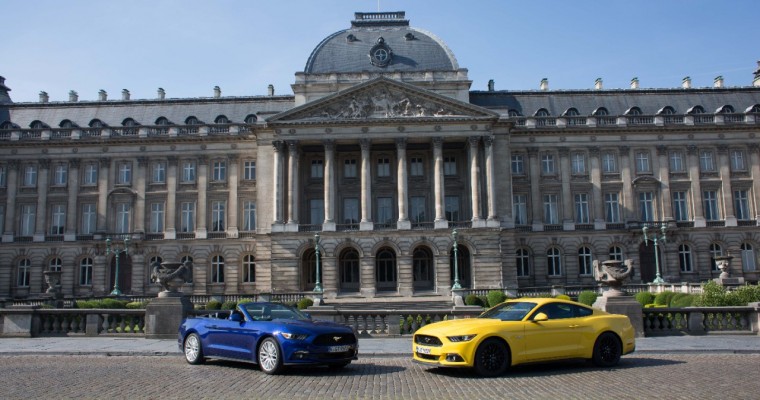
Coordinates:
700 320
389 322
37 322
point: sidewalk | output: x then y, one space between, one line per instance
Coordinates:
374 347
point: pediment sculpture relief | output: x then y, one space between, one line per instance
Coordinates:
381 103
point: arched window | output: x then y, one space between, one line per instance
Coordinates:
185 259
37 125
522 257
385 270
163 121
616 253
222 120
749 260
514 113
667 110
585 262
24 272
554 262
192 121
684 258
67 124
129 122
727 109
155 260
633 111
55 265
249 269
601 111
217 269
85 271
96 123
571 112
542 112
251 119
754 109
696 110
422 269
349 271
715 251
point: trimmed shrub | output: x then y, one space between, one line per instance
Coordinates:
681 300
214 305
587 297
495 297
663 298
229 305
246 300
137 305
473 300
562 297
644 298
305 303
744 295
713 295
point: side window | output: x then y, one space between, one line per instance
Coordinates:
557 311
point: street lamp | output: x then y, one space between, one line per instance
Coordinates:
456 261
117 253
655 238
318 283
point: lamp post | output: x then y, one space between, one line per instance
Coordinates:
117 253
456 286
318 283
656 238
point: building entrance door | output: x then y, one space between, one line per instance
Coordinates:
647 261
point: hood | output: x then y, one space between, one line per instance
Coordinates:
314 326
462 326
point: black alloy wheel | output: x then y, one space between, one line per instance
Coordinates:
607 350
492 358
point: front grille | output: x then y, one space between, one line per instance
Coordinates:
429 357
426 340
335 356
335 339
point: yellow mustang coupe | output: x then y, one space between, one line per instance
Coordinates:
523 331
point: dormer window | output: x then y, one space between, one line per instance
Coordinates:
251 119
96 123
571 112
696 110
67 124
601 111
163 121
222 120
633 111
727 109
192 121
667 110
37 125
542 113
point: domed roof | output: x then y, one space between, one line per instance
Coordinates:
381 42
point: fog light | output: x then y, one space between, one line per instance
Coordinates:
454 358
299 355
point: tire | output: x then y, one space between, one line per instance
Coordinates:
270 357
607 350
193 349
338 365
492 358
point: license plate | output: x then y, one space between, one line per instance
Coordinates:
339 349
423 350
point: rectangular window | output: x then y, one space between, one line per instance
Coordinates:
316 211
156 218
680 206
518 165
741 205
159 173
24 273
642 162
351 211
579 164
123 216
85 272
188 171
249 170
89 218
452 208
61 175
317 169
187 217
218 216
383 167
249 215
249 269
449 166
90 174
384 210
418 209
676 162
3 176
124 173
706 161
415 167
737 161
581 208
520 209
57 219
646 206
609 163
28 217
710 198
219 171
551 211
547 164
612 207
30 176
349 168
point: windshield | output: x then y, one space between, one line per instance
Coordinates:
512 311
270 311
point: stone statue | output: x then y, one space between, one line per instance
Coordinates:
171 275
613 273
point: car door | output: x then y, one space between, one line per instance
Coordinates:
236 337
556 338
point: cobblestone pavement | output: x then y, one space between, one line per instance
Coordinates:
672 376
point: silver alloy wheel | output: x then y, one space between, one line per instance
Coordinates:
269 356
193 353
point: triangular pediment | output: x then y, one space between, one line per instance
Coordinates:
382 99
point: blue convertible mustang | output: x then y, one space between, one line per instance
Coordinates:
271 335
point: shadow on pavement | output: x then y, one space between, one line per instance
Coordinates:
318 370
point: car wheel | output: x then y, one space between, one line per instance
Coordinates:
607 350
338 365
270 358
492 358
193 349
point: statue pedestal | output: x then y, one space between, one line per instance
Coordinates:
164 315
625 305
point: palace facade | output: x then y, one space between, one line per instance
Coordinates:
381 164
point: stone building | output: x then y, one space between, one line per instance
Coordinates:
382 152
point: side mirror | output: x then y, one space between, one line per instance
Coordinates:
307 315
540 317
237 317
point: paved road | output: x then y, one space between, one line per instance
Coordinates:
638 376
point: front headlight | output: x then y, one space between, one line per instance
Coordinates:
461 338
294 336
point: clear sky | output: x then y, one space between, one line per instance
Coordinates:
189 46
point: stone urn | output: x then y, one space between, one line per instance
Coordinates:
723 263
613 273
171 276
53 280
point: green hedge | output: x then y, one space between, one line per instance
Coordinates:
214 305
305 303
473 300
587 297
644 298
562 297
495 297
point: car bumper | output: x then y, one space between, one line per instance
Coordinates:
304 355
446 355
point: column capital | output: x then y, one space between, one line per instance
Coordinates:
753 147
329 144
401 143
563 151
488 140
233 157
75 162
692 150
437 141
723 149
202 160
13 164
44 163
473 140
594 151
277 145
365 144
105 162
662 150
292 146
142 161
624 150
172 160
532 151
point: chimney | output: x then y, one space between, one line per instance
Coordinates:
634 82
686 82
124 94
102 95
161 93
44 98
598 84
270 90
544 84
217 92
490 85
73 96
756 81
718 82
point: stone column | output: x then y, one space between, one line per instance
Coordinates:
402 185
473 142
492 218
596 188
728 195
10 202
438 189
366 218
629 207
566 208
754 154
329 186
105 167
293 188
42 190
142 166
232 197
535 189
503 180
170 232
70 233
201 230
277 167
665 200
696 187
